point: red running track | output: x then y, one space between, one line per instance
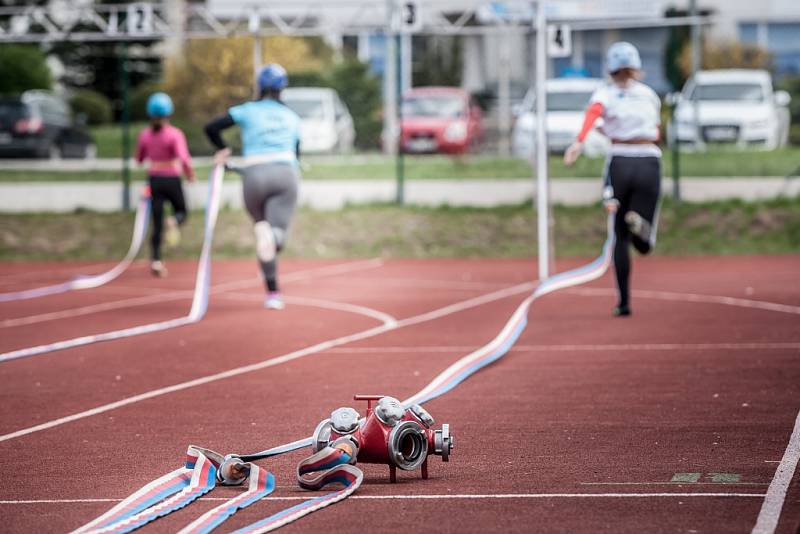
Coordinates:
672 420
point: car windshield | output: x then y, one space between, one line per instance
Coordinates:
440 106
306 108
567 100
748 92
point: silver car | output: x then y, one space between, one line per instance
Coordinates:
567 99
737 107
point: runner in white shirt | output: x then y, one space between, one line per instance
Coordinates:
631 117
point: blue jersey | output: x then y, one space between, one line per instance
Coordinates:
268 128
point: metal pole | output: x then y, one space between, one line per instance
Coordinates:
257 62
676 155
542 194
389 85
400 163
503 91
254 24
696 65
126 130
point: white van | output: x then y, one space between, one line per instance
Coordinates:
325 122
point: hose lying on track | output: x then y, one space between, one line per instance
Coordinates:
199 300
182 486
96 280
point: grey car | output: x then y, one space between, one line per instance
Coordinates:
37 124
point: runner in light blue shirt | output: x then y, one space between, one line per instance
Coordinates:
267 127
270 173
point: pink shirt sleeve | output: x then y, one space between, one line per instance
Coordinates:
141 146
182 153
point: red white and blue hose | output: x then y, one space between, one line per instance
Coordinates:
96 280
334 466
199 300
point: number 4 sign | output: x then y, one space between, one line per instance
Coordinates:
559 40
407 16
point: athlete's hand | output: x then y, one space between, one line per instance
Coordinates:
572 153
611 205
220 156
191 177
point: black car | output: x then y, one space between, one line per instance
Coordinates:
37 124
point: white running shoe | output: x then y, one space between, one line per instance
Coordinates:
173 233
274 301
265 241
157 268
638 226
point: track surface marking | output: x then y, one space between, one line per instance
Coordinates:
585 403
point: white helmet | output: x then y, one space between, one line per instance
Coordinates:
623 55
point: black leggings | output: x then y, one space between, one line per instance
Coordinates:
163 188
637 186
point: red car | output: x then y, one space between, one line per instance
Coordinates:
439 119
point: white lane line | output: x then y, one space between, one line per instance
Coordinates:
577 348
49 274
436 496
313 349
770 512
670 483
693 297
328 270
95 308
435 284
385 318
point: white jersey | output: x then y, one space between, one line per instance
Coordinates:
630 113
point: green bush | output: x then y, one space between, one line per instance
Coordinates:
308 79
361 91
94 105
792 86
23 67
138 100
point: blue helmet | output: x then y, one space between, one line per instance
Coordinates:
273 76
623 55
159 105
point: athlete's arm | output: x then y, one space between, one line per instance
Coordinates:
141 151
594 112
182 152
214 129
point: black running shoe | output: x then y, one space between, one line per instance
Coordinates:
622 311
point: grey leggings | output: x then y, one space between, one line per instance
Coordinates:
270 194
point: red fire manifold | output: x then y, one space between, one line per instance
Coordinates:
389 434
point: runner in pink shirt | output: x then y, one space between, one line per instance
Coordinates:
164 146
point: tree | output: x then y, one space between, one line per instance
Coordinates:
678 40
215 74
361 91
727 55
23 67
438 61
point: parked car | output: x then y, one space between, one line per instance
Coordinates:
733 106
567 99
325 122
39 124
439 119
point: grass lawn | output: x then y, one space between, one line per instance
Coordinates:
375 166
730 227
